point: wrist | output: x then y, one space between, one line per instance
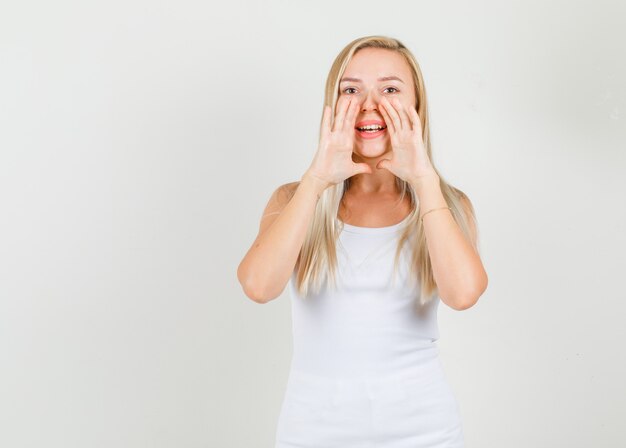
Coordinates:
315 183
425 182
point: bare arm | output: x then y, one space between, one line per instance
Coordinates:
265 270
268 264
457 268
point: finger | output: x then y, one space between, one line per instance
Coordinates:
362 168
341 113
387 117
350 121
397 125
404 117
334 113
385 163
326 120
415 119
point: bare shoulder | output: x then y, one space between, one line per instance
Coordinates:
283 194
469 208
465 201
470 214
288 190
276 203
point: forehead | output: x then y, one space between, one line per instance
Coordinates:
369 64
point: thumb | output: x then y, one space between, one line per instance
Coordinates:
363 168
385 163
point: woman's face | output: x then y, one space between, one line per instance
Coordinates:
364 80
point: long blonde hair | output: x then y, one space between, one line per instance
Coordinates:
317 260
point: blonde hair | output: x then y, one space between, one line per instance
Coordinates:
317 260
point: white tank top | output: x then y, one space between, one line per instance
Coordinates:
367 327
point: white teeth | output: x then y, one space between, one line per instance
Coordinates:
371 127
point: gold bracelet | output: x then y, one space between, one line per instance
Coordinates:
432 210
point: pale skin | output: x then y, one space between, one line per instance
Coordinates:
372 200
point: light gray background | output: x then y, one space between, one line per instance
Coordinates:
140 141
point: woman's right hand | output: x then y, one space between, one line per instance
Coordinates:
333 160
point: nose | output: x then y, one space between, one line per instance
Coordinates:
370 102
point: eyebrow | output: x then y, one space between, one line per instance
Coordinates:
384 78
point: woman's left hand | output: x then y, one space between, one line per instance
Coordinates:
409 160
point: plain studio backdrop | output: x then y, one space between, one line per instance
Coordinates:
141 140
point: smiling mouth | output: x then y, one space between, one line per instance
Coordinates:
371 129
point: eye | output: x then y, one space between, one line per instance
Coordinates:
347 88
392 88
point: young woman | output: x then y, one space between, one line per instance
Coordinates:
370 240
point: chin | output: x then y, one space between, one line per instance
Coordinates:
371 150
